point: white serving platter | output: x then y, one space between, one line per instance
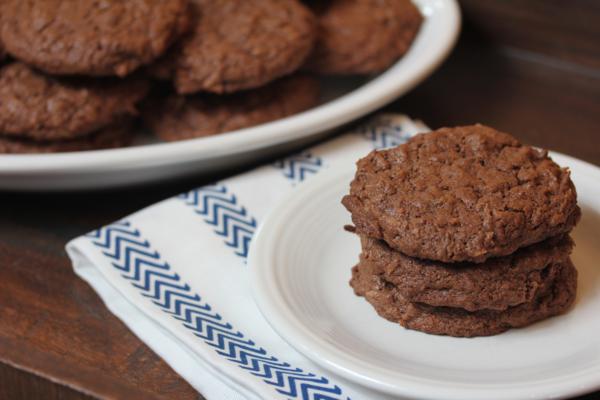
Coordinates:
153 162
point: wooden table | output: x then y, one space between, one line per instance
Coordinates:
530 68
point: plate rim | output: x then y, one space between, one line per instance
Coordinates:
387 86
264 289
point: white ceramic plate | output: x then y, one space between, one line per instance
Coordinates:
300 267
153 162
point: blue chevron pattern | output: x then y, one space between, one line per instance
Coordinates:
221 210
299 166
137 262
383 132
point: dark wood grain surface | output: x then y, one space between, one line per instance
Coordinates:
565 32
58 341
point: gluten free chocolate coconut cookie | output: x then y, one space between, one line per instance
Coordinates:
239 44
367 281
461 194
109 37
497 284
43 108
362 36
117 134
184 117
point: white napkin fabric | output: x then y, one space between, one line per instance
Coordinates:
175 273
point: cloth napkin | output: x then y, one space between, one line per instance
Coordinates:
175 273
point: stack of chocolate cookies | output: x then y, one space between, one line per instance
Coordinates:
76 72
464 232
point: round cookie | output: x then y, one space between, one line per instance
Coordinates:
118 134
239 44
362 36
109 37
185 117
497 284
39 107
461 194
389 303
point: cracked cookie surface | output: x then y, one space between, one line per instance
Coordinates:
43 108
238 44
461 194
109 37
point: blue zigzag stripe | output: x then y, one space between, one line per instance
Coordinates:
298 167
153 277
383 133
220 209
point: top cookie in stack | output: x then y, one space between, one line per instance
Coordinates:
461 194
443 214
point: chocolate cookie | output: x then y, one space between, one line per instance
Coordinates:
117 134
461 194
185 117
497 284
367 281
40 107
362 36
239 44
109 37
